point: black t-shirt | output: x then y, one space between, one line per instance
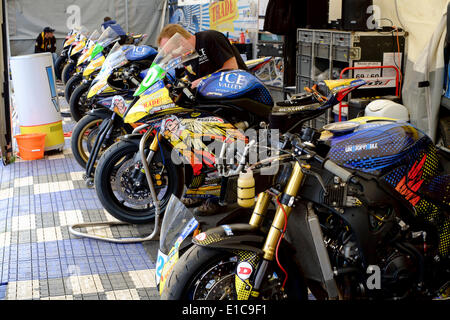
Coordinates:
214 50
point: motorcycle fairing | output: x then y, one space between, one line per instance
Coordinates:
70 40
94 65
234 84
100 87
401 156
375 148
85 56
187 132
168 262
80 45
156 100
117 104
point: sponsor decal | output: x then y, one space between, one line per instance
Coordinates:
227 230
360 147
232 80
200 236
214 94
51 83
244 270
223 12
118 105
414 182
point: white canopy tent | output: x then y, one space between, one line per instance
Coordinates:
27 18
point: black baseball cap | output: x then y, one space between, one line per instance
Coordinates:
48 29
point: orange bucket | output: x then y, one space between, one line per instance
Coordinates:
31 145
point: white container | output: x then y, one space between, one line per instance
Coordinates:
36 98
388 109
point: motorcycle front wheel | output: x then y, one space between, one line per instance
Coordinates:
71 85
77 103
59 65
122 187
67 72
209 274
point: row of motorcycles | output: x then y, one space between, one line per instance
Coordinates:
358 209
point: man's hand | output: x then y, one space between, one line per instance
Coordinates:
195 83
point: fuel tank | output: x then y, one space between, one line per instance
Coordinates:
143 52
379 147
234 84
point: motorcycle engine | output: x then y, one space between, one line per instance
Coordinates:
393 277
398 273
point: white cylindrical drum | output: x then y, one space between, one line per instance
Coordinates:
36 98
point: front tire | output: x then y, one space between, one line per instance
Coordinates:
116 183
67 72
202 270
77 103
83 137
71 85
59 65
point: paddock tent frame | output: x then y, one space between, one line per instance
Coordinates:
26 18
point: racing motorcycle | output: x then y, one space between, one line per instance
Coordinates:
82 62
79 103
84 136
174 118
62 59
360 211
123 70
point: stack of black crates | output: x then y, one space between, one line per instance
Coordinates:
322 54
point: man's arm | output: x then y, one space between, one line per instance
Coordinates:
230 64
38 44
53 43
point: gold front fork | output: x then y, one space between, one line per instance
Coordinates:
279 220
154 144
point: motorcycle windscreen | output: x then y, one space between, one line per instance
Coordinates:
108 36
178 223
176 50
116 58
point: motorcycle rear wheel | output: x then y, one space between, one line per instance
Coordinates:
201 274
120 156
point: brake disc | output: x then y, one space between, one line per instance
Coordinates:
127 186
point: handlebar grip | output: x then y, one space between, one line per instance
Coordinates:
337 170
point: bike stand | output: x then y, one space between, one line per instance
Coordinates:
145 162
111 223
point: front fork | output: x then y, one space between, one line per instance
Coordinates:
274 234
102 136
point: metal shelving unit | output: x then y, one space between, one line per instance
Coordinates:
322 54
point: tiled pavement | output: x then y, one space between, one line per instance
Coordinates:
40 259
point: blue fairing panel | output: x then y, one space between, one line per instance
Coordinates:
141 53
234 84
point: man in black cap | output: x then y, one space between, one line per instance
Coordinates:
46 41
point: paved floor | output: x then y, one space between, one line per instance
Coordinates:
40 259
